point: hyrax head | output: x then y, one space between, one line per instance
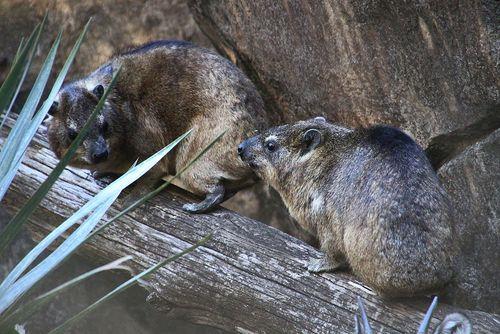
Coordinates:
73 106
277 152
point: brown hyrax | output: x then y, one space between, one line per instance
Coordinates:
371 197
164 89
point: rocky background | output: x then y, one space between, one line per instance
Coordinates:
116 25
428 67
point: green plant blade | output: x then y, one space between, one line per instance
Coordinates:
364 318
10 87
424 326
28 134
62 328
153 193
13 292
16 222
19 137
35 123
24 312
42 245
14 226
117 186
357 326
19 49
5 114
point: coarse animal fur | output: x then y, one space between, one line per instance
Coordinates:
164 89
371 197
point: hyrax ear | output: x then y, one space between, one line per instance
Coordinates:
311 139
319 119
53 108
98 91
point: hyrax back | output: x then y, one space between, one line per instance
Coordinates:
370 195
164 89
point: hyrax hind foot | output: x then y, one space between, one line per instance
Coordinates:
323 264
211 200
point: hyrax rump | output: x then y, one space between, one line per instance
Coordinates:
164 89
371 197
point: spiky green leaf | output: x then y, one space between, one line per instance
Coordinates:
143 275
24 312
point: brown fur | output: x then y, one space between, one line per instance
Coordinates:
164 89
371 197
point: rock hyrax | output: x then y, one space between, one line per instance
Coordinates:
371 197
164 89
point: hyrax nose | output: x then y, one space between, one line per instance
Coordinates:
99 156
241 149
245 148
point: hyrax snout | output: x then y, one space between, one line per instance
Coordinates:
164 89
371 197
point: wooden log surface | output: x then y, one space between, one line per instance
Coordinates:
248 278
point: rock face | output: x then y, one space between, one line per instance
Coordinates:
115 26
429 67
473 181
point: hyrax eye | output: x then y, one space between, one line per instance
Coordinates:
98 91
104 127
53 108
72 134
271 146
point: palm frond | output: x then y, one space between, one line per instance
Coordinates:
21 64
132 281
10 291
26 311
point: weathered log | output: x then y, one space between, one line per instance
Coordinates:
248 278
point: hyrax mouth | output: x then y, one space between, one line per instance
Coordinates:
246 153
247 158
252 165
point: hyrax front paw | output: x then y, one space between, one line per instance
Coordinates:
209 203
203 206
192 207
322 265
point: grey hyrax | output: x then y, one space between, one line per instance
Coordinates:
371 197
164 89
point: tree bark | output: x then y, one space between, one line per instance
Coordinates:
248 278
